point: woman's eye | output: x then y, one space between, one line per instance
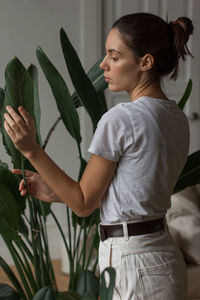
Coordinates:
114 58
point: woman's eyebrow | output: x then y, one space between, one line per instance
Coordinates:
113 50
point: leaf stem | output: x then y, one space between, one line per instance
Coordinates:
50 133
20 268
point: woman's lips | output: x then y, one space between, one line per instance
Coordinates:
107 79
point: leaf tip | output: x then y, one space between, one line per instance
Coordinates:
38 49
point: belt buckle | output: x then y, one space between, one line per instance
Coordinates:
102 233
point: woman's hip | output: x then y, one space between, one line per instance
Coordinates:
147 266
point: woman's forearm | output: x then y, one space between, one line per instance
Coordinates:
67 189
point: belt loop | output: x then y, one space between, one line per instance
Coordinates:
125 229
99 230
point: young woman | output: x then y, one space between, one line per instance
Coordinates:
137 153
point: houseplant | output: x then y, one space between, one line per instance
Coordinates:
21 89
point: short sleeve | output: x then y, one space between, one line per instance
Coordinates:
113 134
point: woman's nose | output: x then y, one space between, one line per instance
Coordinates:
103 64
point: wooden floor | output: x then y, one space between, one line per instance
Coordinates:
61 279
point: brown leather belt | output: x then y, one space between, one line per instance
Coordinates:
106 231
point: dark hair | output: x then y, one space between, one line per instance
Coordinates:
166 42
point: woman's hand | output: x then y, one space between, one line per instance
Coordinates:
37 187
21 130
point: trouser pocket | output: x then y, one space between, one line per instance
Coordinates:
161 282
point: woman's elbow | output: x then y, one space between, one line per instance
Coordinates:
84 213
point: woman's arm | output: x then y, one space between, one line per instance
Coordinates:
82 197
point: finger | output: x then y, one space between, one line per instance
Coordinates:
9 129
17 122
17 171
27 172
22 185
25 114
23 192
23 189
11 126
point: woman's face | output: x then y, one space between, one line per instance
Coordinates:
121 70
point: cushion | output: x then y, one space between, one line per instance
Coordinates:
183 220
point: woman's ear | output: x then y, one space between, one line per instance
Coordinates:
146 62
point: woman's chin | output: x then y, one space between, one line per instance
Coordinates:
114 88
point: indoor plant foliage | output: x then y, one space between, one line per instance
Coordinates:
26 236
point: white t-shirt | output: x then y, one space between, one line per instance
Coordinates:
149 138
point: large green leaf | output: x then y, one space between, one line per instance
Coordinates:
9 209
8 293
80 80
186 95
69 295
102 101
7 230
3 164
45 293
62 96
190 174
18 91
37 112
9 213
107 292
10 180
11 204
19 87
96 76
88 283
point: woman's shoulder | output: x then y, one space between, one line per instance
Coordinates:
116 113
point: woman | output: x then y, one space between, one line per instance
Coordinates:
137 153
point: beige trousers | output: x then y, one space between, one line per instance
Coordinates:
148 267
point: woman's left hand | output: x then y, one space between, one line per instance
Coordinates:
21 130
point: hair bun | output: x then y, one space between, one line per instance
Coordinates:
186 25
182 28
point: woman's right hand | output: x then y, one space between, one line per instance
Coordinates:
37 187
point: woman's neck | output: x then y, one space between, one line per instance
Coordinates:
148 88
